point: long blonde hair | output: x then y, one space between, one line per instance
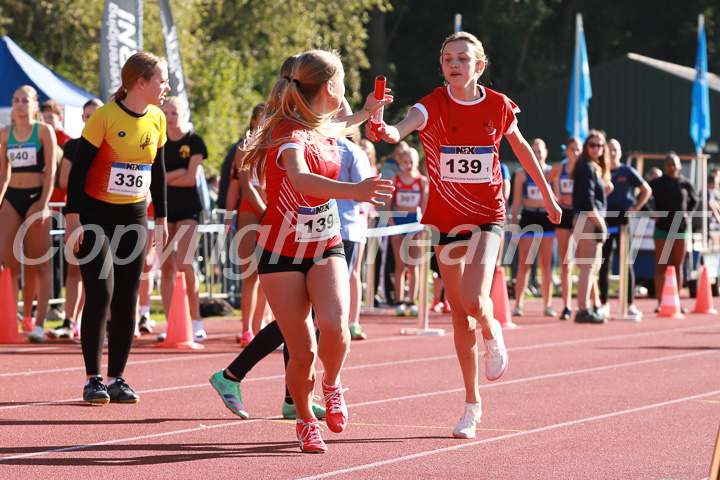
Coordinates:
291 96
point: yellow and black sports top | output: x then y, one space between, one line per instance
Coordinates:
119 157
127 146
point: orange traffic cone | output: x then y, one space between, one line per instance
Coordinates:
670 300
704 299
179 329
8 310
500 299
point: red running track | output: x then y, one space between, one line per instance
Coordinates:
616 401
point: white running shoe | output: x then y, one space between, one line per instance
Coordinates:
496 357
633 310
199 330
413 311
400 310
469 420
37 335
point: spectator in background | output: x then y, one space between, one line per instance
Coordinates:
409 200
713 205
675 194
213 183
27 175
652 174
53 114
528 196
625 180
245 186
563 189
591 175
506 188
184 153
354 167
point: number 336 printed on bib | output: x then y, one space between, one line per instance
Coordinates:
131 179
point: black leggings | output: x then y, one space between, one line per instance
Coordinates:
111 261
612 243
265 342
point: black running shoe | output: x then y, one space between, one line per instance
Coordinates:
120 392
566 314
144 325
66 331
95 391
588 316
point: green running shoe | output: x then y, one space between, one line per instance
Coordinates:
230 392
288 410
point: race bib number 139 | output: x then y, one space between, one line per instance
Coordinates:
316 224
466 164
130 179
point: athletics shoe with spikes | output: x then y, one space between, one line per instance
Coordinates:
230 392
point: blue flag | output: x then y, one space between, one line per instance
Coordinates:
577 123
700 112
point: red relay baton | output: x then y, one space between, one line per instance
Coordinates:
377 118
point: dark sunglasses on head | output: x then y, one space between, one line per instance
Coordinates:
595 145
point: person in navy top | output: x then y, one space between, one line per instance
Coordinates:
591 175
625 180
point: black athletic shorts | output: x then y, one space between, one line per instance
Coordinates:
440 238
269 262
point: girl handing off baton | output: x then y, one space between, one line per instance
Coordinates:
461 126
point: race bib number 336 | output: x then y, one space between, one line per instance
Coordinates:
130 179
466 164
317 224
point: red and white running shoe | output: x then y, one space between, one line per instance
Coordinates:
336 413
308 434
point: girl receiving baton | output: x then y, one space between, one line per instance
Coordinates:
300 254
461 126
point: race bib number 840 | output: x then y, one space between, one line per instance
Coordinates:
130 179
466 164
22 155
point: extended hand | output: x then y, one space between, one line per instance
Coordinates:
374 190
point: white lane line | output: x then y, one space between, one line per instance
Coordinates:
191 357
405 362
136 362
510 435
374 464
395 399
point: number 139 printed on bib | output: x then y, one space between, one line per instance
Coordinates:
317 224
466 164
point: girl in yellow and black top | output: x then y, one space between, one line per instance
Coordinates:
120 157
27 175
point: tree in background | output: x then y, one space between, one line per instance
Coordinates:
231 49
